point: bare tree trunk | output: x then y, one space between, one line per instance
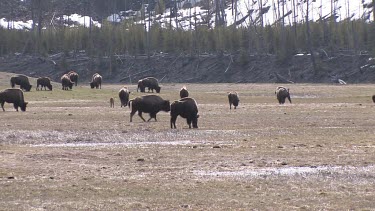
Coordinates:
309 43
149 30
294 18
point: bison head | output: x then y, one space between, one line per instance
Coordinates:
23 106
166 106
49 86
92 85
158 89
28 88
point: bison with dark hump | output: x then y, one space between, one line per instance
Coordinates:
124 96
233 99
14 96
184 92
151 104
282 93
187 108
73 77
43 82
21 80
66 82
151 83
96 81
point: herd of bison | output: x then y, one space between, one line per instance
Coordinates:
185 107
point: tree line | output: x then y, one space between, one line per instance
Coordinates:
143 34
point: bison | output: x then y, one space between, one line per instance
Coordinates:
233 99
21 80
66 82
14 96
43 82
282 93
151 104
96 81
184 92
111 102
186 108
124 96
73 76
373 98
151 83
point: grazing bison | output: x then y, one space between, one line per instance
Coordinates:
73 77
21 80
186 108
124 96
184 92
14 96
233 99
96 81
151 104
151 83
282 93
373 98
66 82
43 82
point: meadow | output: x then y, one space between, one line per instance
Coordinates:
70 150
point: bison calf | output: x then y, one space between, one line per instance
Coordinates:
14 96
124 96
187 108
151 104
43 82
233 99
184 92
21 80
282 93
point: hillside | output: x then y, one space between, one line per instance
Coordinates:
206 68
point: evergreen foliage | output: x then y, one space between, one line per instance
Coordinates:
131 37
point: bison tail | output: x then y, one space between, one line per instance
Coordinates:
129 103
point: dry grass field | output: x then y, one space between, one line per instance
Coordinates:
71 151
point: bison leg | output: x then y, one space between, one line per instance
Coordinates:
289 99
131 115
152 115
173 122
230 106
15 105
2 105
195 122
140 115
188 120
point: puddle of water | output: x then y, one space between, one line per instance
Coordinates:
127 144
304 96
288 171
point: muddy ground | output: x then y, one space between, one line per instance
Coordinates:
70 150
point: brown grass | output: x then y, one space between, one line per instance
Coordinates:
70 150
